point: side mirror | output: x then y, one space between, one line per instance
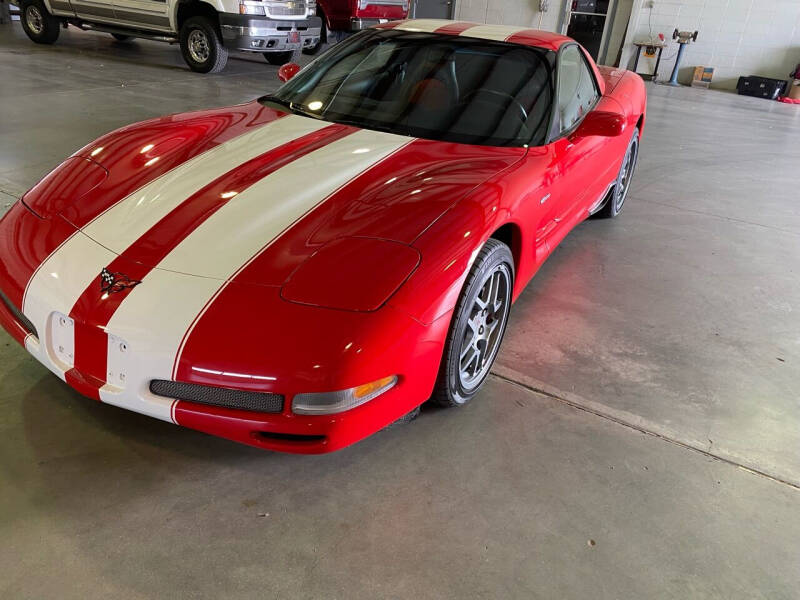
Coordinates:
602 123
287 71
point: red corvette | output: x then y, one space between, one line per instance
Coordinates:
299 272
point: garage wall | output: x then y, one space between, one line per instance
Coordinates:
511 12
737 37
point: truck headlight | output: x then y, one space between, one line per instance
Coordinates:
251 8
328 403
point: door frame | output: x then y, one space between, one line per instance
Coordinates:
611 15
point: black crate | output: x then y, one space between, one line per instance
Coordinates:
761 87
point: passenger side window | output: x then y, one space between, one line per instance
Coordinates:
577 91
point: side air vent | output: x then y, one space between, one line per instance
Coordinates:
22 319
218 396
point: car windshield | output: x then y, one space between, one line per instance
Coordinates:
449 88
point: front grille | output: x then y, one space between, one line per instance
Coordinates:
288 9
218 396
22 319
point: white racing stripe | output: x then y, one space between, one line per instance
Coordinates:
61 279
128 220
156 316
223 243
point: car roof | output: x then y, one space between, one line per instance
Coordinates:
503 33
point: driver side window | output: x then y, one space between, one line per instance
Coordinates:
577 91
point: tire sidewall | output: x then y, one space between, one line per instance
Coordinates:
500 256
50 25
633 146
204 25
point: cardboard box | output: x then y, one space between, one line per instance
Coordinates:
702 76
794 90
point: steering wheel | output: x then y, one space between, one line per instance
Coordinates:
499 97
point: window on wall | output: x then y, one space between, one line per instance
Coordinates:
577 91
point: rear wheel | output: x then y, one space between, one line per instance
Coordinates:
120 37
479 324
614 205
201 46
39 25
279 58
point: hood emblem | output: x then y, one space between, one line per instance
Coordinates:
111 283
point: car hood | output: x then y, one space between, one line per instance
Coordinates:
278 190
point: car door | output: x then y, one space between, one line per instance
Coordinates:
94 10
579 159
143 14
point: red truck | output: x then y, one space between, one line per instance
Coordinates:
340 17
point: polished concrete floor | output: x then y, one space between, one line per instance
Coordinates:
640 437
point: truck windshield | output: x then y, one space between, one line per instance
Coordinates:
438 87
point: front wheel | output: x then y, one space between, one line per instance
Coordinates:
614 205
201 46
279 58
40 26
478 326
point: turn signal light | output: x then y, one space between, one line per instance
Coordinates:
328 403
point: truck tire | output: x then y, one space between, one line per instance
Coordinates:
201 46
39 25
279 58
120 37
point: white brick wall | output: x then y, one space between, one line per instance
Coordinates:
737 37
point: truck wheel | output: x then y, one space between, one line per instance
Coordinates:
279 58
201 46
39 25
120 37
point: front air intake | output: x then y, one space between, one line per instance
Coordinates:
21 319
262 402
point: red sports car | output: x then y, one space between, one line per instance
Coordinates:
299 272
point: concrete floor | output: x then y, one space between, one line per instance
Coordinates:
640 438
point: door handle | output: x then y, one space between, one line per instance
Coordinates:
544 199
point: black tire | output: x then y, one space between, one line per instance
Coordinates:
201 45
451 390
279 58
404 420
120 37
39 25
621 188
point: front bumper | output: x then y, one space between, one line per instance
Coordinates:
303 349
261 34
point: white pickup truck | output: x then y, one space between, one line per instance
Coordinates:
205 29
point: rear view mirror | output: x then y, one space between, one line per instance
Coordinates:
287 71
602 123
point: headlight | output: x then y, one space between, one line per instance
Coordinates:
328 403
251 8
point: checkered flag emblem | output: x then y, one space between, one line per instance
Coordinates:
111 283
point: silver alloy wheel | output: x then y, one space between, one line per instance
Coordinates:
33 17
627 174
198 46
485 327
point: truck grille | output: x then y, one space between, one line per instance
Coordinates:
218 396
287 9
